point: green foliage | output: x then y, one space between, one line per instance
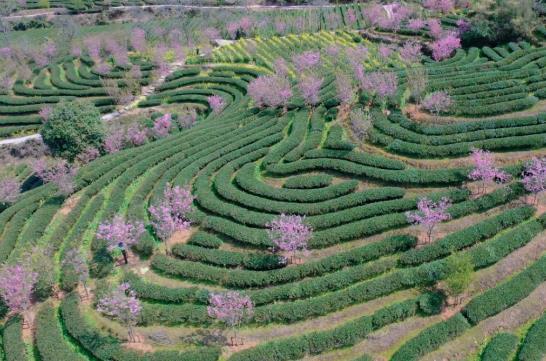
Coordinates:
500 348
460 271
73 127
431 338
534 343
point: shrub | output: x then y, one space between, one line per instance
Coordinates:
73 127
500 348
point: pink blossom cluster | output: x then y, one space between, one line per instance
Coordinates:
10 189
435 28
350 17
306 60
484 168
138 40
429 214
382 84
216 103
437 102
534 176
443 48
211 33
88 155
230 307
113 142
410 52
94 47
289 233
45 113
345 89
119 233
388 16
118 52
162 126
171 213
309 87
270 91
443 6
16 287
60 173
416 24
122 305
384 51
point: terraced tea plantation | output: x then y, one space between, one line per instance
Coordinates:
421 223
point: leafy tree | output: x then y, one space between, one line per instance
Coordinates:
460 272
501 21
73 127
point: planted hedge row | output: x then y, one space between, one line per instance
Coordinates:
50 340
431 338
109 349
500 348
246 279
506 294
297 347
467 237
534 343
308 181
248 181
15 348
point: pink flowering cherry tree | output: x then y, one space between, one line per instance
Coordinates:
76 261
16 287
122 305
231 308
60 173
172 213
437 102
345 91
306 61
484 169
216 103
289 233
270 91
534 177
120 234
309 87
444 47
162 126
10 189
380 84
429 214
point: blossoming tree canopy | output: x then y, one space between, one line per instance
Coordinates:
231 308
289 233
484 168
122 305
534 176
172 212
429 214
120 234
10 189
16 287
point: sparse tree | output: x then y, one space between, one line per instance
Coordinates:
231 308
484 169
122 304
429 214
534 177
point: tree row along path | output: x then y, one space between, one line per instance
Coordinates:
62 11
